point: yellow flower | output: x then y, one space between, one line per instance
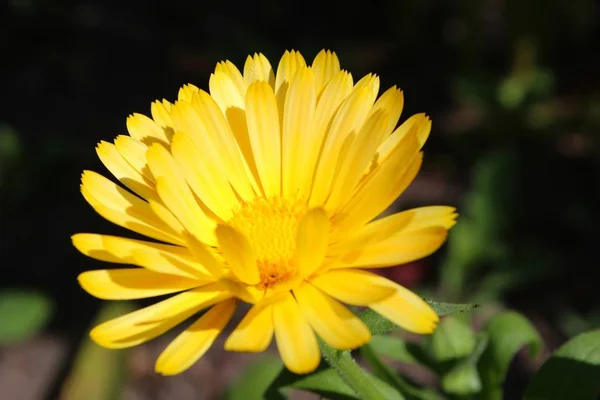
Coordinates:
263 191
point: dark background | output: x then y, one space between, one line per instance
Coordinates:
512 87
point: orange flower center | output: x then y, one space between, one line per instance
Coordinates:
271 225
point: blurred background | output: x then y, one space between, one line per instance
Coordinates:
512 87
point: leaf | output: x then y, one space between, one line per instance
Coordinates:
463 379
98 373
508 332
452 339
385 372
23 314
394 348
573 372
379 325
255 379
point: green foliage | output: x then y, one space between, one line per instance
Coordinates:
507 332
573 372
452 339
23 314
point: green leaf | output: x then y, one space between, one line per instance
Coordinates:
508 332
452 339
394 348
463 379
98 373
23 314
379 325
383 371
573 372
255 379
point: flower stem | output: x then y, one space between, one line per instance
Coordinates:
354 376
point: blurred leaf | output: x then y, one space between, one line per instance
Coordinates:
463 379
10 148
394 348
255 379
379 325
23 314
573 372
325 382
98 373
383 371
508 332
452 339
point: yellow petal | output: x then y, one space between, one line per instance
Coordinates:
124 172
392 103
160 111
255 332
298 113
295 338
353 286
380 188
177 196
408 311
132 283
229 69
149 322
225 91
331 98
313 237
207 258
325 66
123 208
166 216
349 119
134 152
397 224
143 128
239 255
162 258
398 249
291 62
354 161
418 125
265 135
186 92
228 155
334 323
208 183
258 68
192 343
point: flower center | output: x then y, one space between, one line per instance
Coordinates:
271 225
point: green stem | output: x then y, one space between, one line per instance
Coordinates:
354 376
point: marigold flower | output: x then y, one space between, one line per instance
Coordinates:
265 191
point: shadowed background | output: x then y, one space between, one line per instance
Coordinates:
512 88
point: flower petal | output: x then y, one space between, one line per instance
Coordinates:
134 152
298 113
123 208
349 119
291 62
354 286
325 66
398 249
177 196
160 111
408 311
132 283
143 128
265 135
295 338
312 240
193 342
255 332
236 249
149 322
258 68
336 325
207 181
124 172
186 92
